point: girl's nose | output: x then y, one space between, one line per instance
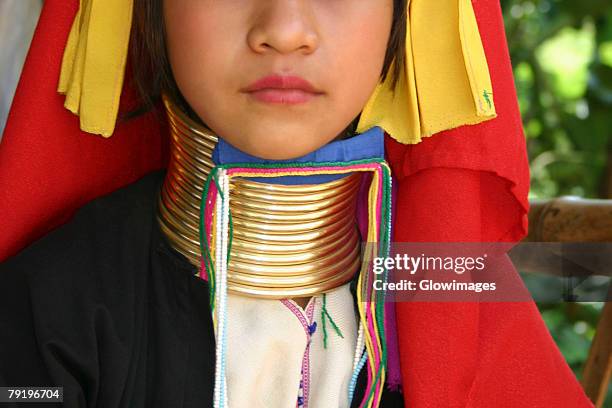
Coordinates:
283 26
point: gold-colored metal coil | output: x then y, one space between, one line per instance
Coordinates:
319 262
280 293
293 246
286 280
247 189
288 240
269 205
306 236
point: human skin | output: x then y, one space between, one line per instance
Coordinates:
217 48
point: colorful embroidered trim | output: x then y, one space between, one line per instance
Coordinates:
325 314
371 304
309 328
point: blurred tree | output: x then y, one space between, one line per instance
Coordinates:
562 58
561 53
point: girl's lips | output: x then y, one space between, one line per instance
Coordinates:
283 96
282 89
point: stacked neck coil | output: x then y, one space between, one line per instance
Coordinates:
371 304
190 164
288 240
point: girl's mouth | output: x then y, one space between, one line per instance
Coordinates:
281 89
283 96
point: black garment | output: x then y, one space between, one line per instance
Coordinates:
106 308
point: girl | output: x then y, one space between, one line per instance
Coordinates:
279 113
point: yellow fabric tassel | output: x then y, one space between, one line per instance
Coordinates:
445 83
93 64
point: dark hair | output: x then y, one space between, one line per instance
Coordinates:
152 74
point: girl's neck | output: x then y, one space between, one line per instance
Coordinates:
290 241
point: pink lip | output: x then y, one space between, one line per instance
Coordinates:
282 89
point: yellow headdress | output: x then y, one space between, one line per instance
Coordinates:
445 82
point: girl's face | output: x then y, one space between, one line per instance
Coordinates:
219 49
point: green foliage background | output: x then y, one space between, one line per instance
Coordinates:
561 53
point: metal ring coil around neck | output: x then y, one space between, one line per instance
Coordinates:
288 240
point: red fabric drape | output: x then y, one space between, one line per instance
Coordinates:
470 184
473 354
48 167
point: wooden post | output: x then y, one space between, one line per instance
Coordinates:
598 367
574 219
